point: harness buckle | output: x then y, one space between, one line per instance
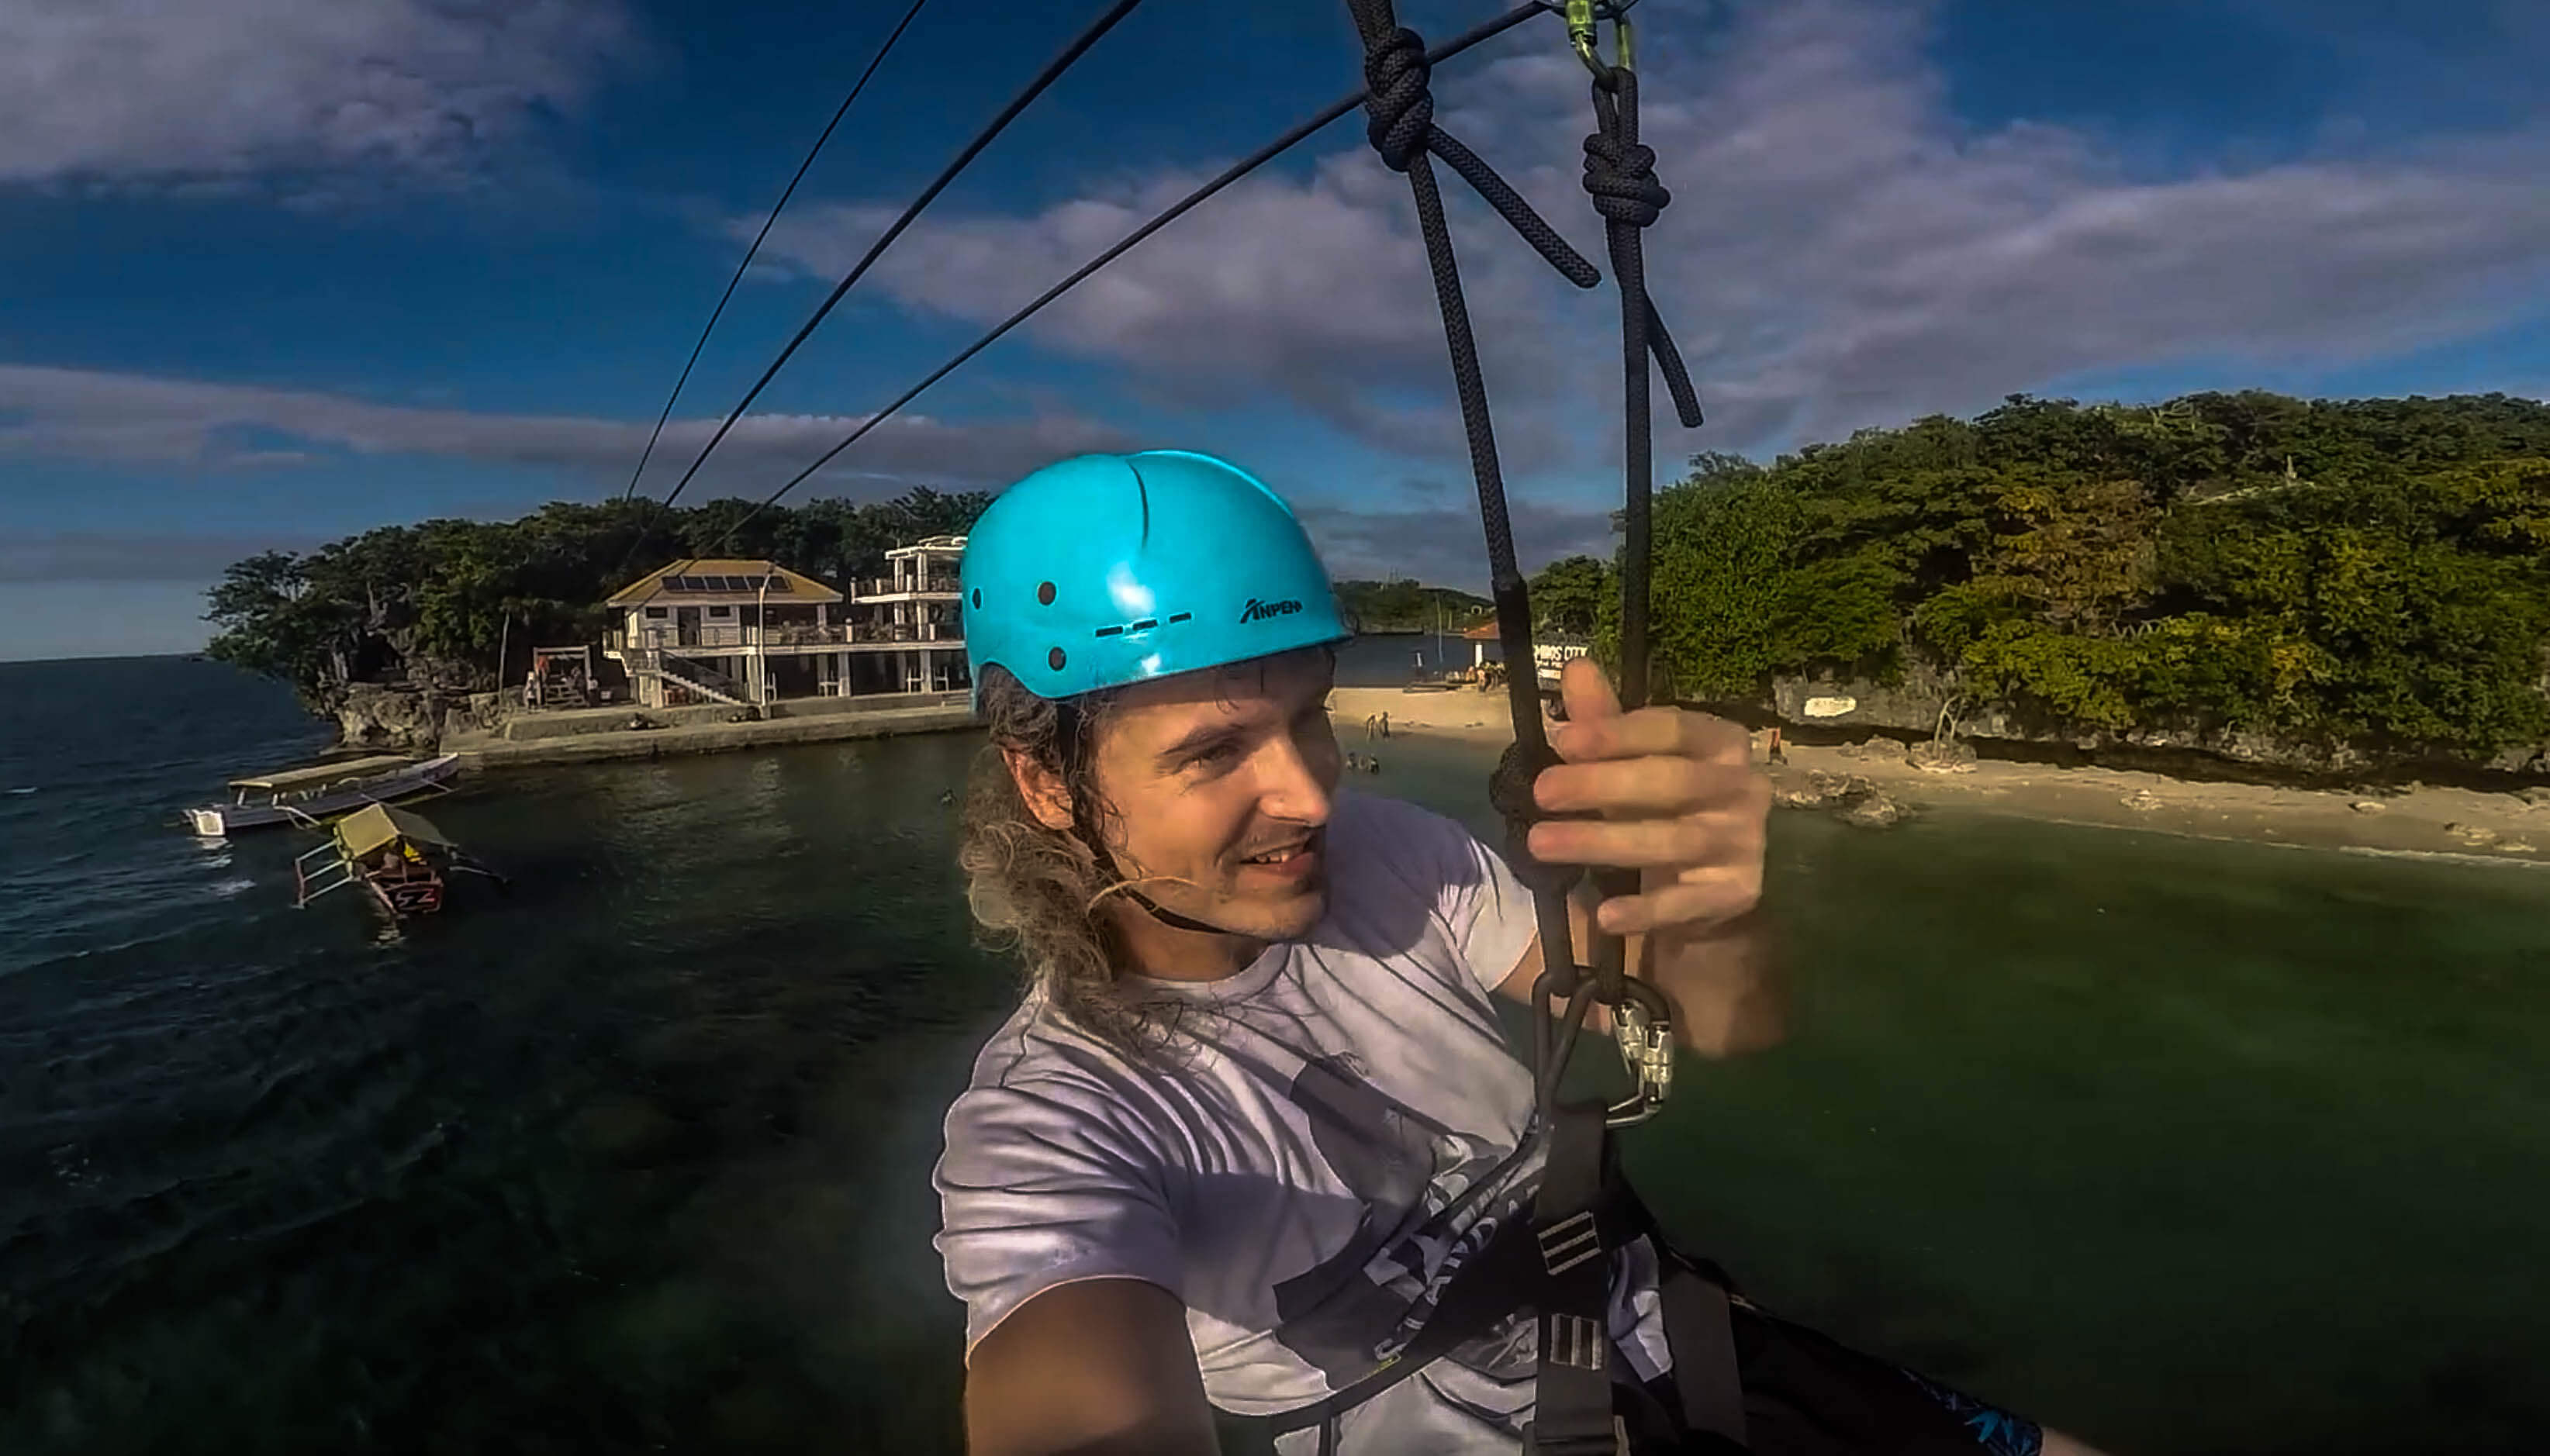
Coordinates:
1568 1242
1578 1342
1532 1445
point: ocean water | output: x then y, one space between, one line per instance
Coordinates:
2188 1148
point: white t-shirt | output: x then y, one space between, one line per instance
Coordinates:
1308 1174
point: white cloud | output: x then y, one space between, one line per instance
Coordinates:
1841 251
118 92
144 421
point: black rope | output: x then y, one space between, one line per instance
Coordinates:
1620 177
758 239
1052 72
1300 132
1403 132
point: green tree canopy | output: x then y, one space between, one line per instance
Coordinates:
1567 595
2370 571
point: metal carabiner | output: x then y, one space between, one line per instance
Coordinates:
1583 18
1645 1038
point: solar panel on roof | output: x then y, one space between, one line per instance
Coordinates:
722 583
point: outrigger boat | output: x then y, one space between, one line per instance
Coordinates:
305 795
397 854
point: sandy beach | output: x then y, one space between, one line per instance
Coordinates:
1462 713
2421 820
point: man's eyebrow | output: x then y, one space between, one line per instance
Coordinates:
1201 738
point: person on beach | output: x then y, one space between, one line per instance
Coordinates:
1255 1108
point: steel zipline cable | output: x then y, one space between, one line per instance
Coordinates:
749 253
1291 139
1046 79
1052 72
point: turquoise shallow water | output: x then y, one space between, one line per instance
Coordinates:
2191 1148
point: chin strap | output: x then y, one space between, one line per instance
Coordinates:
1087 833
1084 827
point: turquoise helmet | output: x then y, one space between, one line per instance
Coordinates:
1103 570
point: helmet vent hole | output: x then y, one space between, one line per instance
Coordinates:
1181 616
978 599
1044 594
1054 659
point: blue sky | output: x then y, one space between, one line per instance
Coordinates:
279 271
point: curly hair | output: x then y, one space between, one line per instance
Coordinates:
1036 890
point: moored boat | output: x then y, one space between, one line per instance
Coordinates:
398 855
306 794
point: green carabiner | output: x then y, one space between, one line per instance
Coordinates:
1581 34
1583 20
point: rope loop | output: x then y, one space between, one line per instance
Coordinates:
1398 99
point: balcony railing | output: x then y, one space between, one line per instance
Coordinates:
888 586
804 635
732 639
777 634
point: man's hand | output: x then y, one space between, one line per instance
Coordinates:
1680 803
1678 799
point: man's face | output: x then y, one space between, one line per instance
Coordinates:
1222 782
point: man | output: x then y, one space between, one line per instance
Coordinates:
1256 1109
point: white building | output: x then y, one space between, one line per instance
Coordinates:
754 632
906 626
729 631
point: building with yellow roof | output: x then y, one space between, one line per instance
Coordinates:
753 631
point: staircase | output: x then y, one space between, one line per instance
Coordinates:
691 676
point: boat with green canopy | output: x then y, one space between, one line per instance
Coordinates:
396 854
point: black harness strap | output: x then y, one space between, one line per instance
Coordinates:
1558 1257
1572 1407
1479 1298
1700 1329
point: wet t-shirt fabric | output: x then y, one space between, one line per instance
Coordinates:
1325 1143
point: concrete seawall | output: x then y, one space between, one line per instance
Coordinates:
591 736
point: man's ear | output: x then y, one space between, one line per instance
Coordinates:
1041 788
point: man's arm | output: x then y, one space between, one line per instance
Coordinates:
1101 1367
1722 979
